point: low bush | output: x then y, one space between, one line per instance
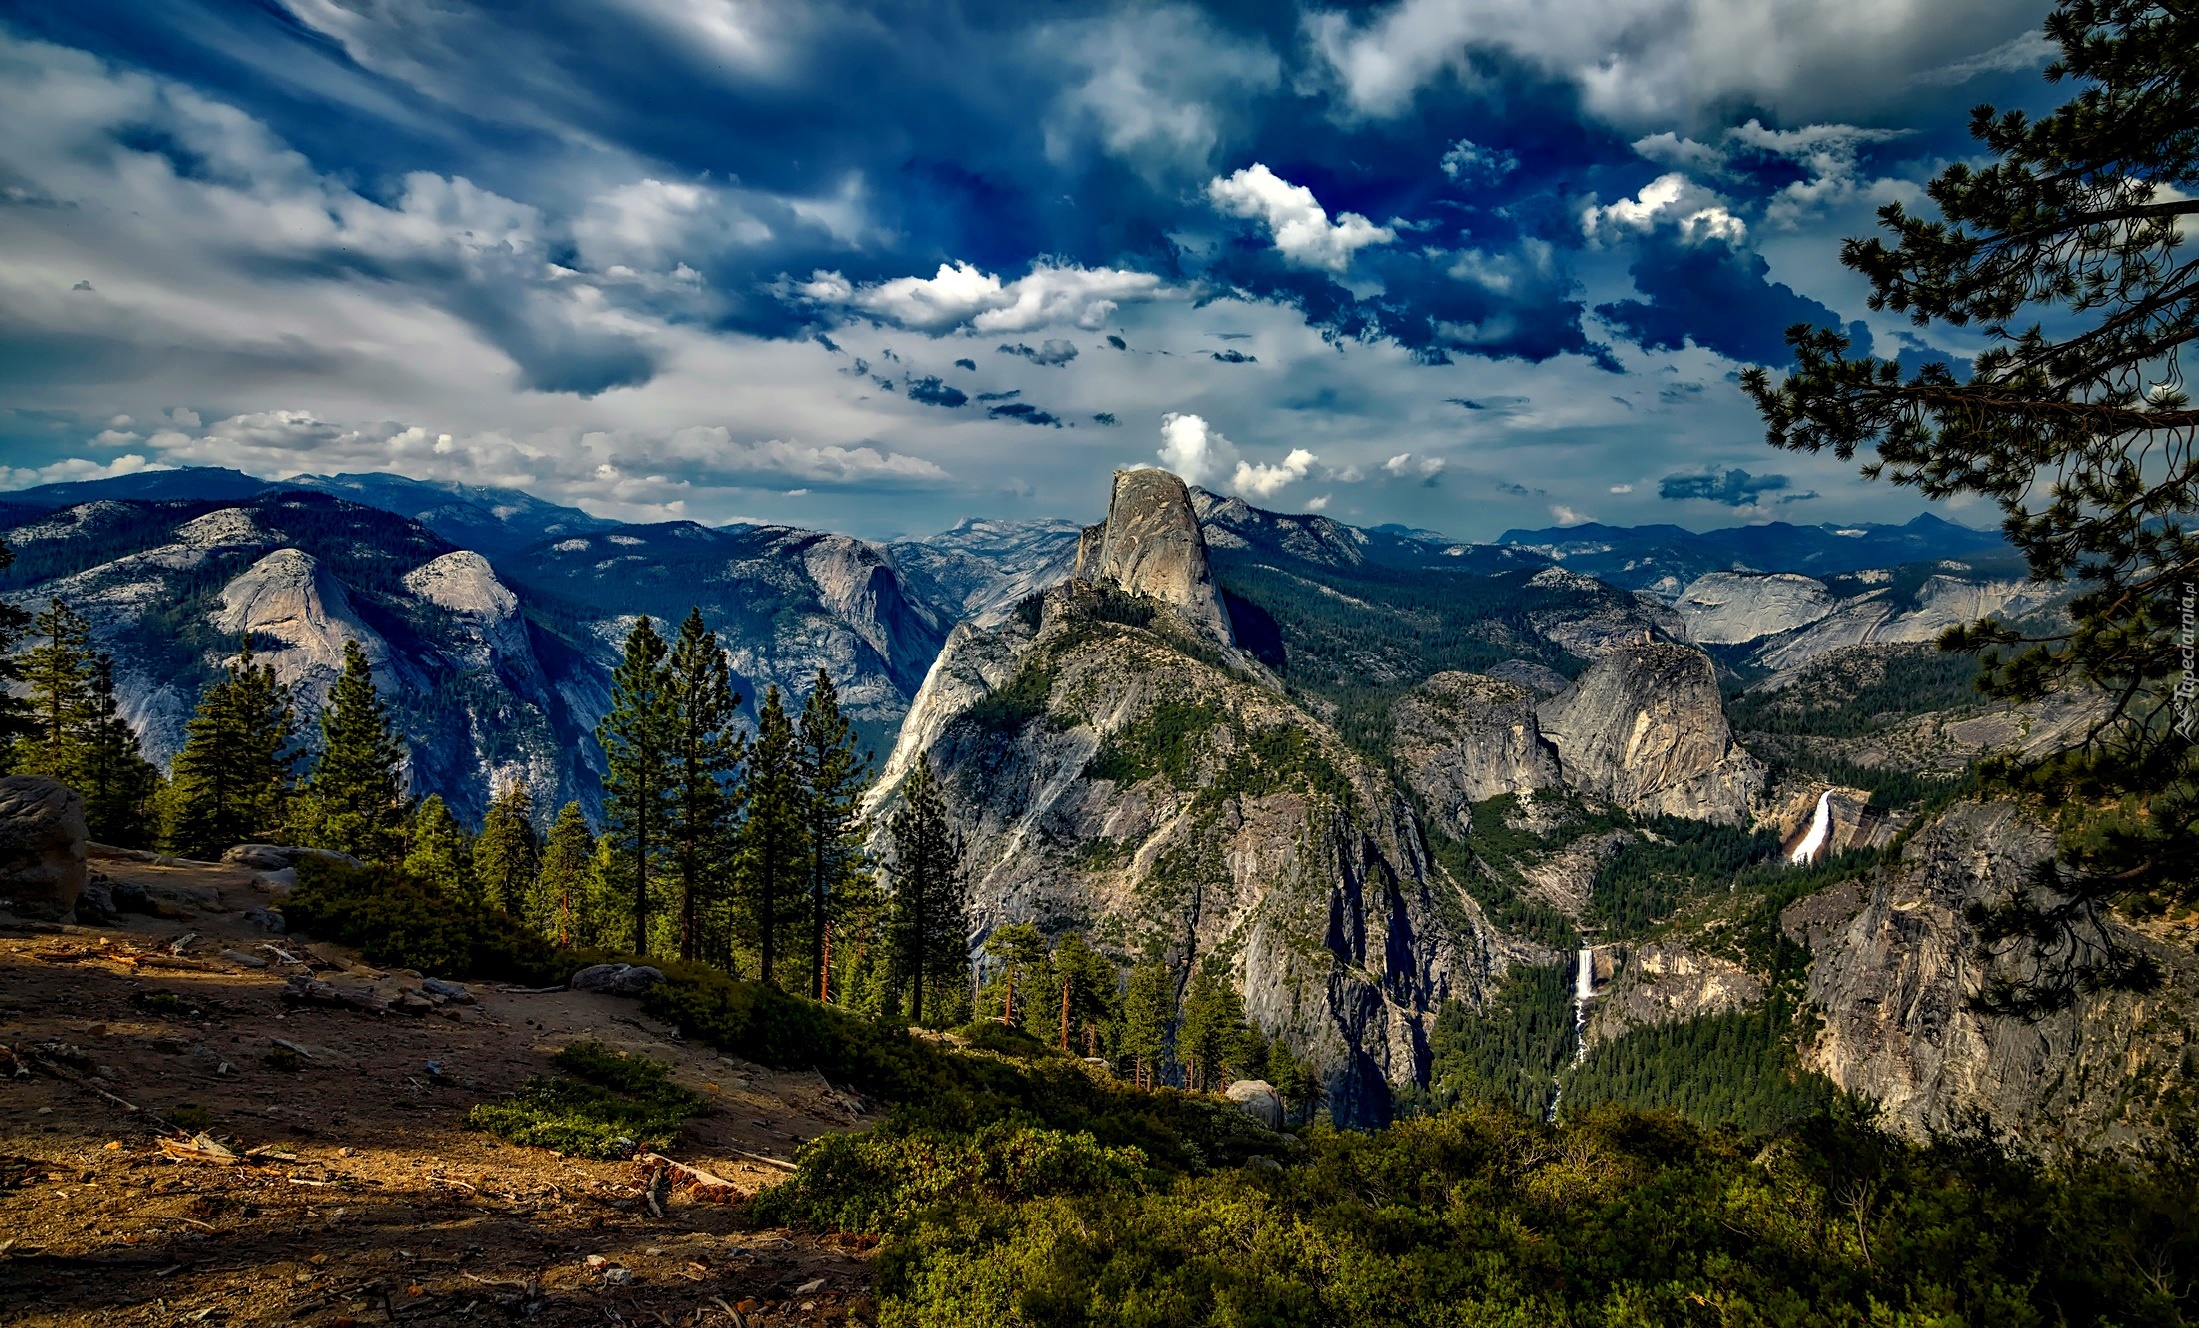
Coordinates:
605 1104
1484 1216
399 921
884 1179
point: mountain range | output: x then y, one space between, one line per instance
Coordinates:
1374 773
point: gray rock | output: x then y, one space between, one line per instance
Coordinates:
617 979
266 919
97 903
449 991
258 857
277 883
1723 608
278 857
1258 1099
1895 962
1151 544
1462 738
1646 728
43 867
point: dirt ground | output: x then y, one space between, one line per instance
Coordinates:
359 1197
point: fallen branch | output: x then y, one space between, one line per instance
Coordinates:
779 1162
59 1073
200 1148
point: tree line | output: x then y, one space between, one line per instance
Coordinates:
746 852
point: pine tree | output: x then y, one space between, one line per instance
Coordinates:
119 785
1089 992
231 782
2068 252
706 751
1025 973
508 855
15 718
1213 1034
1148 1009
566 885
930 923
438 851
59 672
771 836
354 802
637 737
833 774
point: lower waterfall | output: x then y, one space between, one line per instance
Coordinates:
1584 990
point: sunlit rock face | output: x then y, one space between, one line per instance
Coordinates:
1645 728
1461 738
1895 963
1151 545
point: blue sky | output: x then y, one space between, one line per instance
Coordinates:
1465 264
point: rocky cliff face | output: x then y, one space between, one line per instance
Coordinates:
1151 545
1723 608
169 588
978 570
1116 774
1645 729
1658 983
1461 738
1893 967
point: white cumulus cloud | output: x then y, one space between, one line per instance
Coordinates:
1671 199
1300 226
1202 455
960 294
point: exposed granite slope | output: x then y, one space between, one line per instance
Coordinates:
1893 967
1645 729
1151 545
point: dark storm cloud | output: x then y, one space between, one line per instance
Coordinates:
1053 353
1730 488
1719 296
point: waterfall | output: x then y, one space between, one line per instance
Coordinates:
1820 830
1584 991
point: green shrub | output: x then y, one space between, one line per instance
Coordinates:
1484 1216
606 1104
992 1035
399 921
884 1179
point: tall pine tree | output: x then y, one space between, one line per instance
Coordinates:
15 719
440 852
119 785
833 775
354 802
771 837
637 737
930 923
231 782
706 751
565 887
59 671
508 855
1148 1011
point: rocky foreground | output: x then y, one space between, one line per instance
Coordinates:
183 1140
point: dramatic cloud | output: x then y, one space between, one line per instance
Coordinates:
1669 200
960 295
1203 456
1053 353
1301 228
1639 60
751 260
1730 488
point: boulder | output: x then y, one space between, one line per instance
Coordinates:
43 867
617 979
1258 1099
280 857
